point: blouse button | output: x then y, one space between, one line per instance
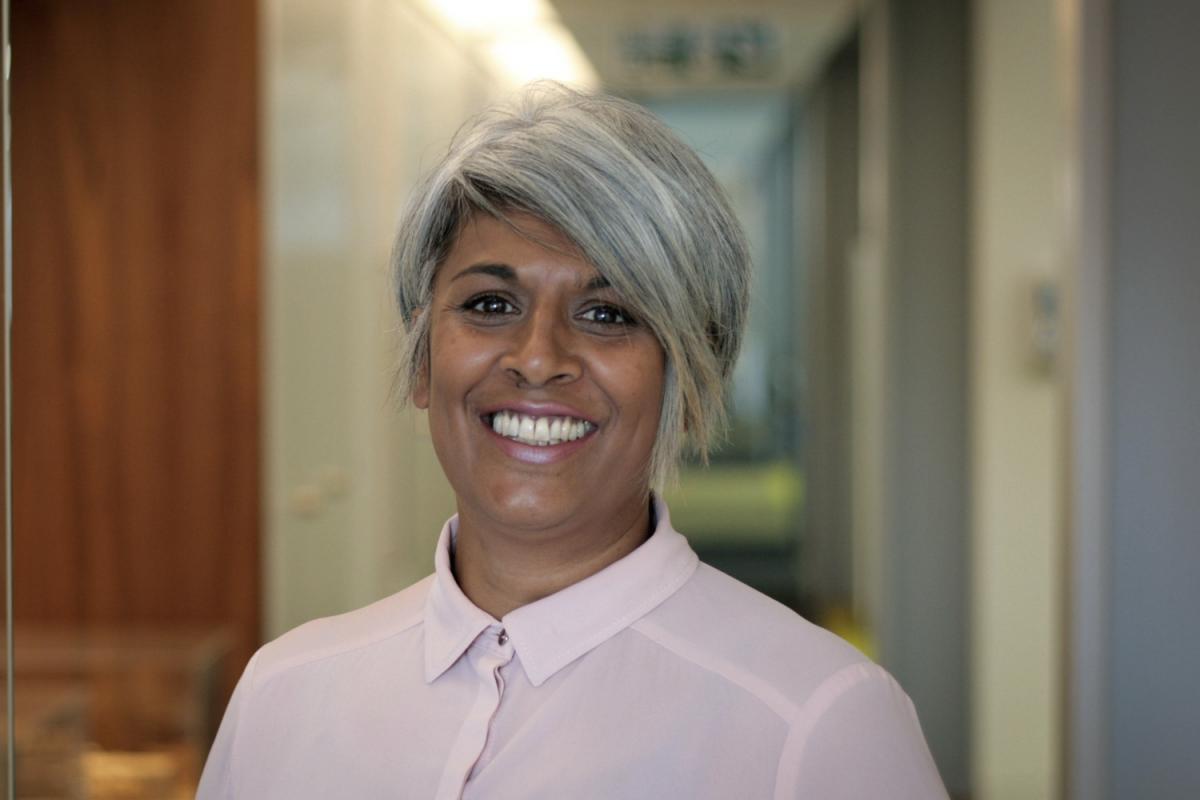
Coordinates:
502 637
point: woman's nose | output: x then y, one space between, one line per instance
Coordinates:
542 351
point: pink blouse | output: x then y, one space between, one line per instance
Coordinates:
657 677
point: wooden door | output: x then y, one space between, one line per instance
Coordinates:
136 323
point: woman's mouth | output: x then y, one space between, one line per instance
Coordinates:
538 431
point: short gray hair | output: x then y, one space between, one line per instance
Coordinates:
642 209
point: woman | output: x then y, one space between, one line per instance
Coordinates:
574 286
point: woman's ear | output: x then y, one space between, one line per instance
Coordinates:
420 389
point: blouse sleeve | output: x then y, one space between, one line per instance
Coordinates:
858 737
216 782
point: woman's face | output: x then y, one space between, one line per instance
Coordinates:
543 393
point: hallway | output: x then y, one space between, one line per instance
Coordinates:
962 433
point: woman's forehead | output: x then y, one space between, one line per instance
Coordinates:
514 248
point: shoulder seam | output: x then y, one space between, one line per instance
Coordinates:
812 710
705 659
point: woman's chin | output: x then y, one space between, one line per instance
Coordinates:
537 501
528 508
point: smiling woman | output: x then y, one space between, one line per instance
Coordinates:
544 396
575 287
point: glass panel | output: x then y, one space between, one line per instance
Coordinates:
6 727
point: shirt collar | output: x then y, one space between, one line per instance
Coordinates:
552 632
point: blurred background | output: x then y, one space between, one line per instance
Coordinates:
965 431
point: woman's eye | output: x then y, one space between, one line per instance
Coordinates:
490 305
607 315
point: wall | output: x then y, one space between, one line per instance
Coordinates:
890 356
1019 241
360 97
1087 38
867 323
1155 338
924 628
827 152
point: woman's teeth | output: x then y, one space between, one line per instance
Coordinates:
539 431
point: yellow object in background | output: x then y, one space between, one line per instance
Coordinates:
841 621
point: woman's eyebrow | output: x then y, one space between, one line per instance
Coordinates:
501 271
509 275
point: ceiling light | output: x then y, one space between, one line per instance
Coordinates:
543 51
487 17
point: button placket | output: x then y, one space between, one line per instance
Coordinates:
486 661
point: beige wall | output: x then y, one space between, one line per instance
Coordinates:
868 327
1018 239
360 96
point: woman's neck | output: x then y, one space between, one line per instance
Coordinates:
500 570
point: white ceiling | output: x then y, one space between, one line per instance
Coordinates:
667 46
